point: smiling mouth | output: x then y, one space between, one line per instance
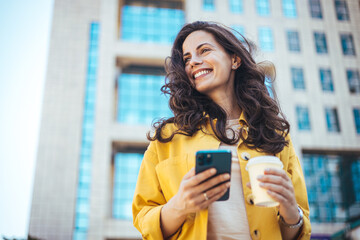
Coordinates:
201 73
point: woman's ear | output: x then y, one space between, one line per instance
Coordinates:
236 62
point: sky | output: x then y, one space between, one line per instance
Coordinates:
24 42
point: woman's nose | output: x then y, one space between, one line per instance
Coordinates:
195 61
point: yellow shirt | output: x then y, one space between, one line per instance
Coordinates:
164 166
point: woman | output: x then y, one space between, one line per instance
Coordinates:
219 100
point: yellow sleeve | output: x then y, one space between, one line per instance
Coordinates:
297 177
148 198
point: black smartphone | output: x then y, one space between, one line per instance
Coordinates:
218 159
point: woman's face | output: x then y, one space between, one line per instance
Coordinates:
207 64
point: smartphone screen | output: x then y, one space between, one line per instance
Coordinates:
218 159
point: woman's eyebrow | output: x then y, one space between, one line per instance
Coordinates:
197 48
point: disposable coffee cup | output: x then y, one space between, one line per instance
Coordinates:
256 167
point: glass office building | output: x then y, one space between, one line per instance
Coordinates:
102 95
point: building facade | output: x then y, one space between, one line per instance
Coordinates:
102 92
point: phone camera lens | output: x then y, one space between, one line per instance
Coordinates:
201 159
208 158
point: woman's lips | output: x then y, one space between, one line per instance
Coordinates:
202 73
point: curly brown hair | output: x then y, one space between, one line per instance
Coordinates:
267 126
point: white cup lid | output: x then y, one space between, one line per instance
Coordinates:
263 159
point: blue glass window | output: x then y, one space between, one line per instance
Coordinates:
315 9
80 235
268 84
84 175
303 118
357 119
326 80
332 120
355 173
263 7
333 186
353 78
347 44
236 6
293 41
342 11
297 76
237 30
289 8
208 5
150 24
320 42
266 39
126 169
140 100
82 222
324 189
82 206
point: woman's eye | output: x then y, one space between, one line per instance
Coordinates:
205 50
186 60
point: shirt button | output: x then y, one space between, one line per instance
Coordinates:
245 156
255 234
250 199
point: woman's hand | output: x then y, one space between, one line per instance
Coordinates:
280 188
194 192
194 195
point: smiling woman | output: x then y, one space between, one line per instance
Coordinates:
234 84
207 66
220 101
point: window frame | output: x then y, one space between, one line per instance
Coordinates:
236 8
208 5
356 114
148 21
303 118
289 8
116 202
353 82
293 40
136 105
326 80
332 120
266 39
347 44
298 82
263 8
341 10
320 43
315 9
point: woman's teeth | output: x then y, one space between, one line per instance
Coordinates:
201 73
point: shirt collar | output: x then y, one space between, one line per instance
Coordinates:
242 122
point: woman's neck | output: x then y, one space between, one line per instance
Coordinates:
229 104
234 113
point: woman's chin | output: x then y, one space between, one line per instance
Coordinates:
201 89
201 86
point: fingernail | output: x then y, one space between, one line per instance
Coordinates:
212 171
227 176
267 169
259 177
228 184
261 184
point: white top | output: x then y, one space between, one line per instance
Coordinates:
227 219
